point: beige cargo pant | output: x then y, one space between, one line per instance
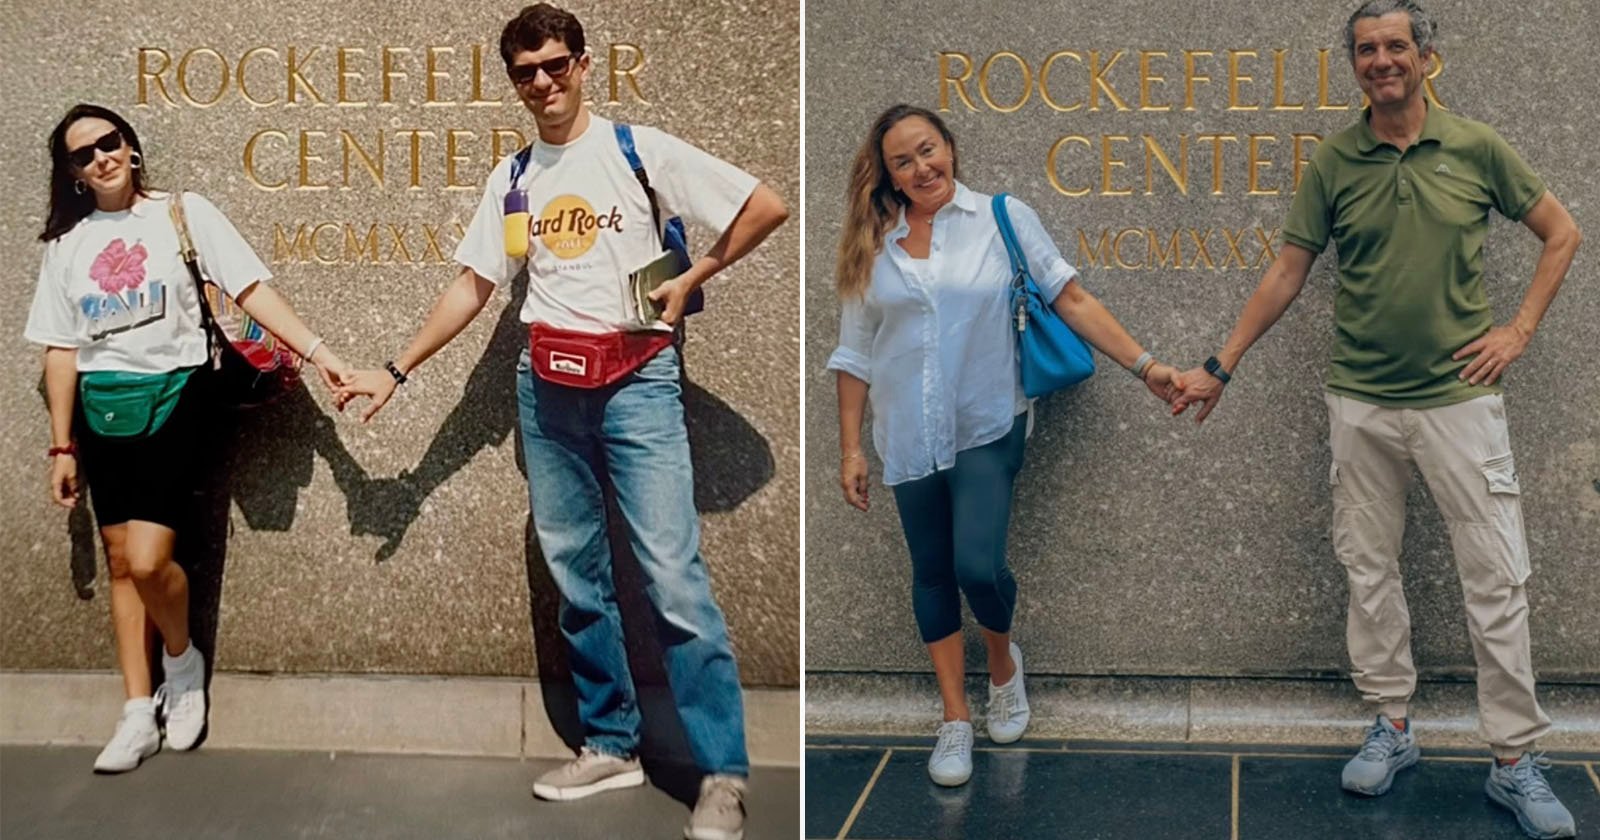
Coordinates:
1464 453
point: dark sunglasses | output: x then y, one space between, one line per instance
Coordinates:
108 143
555 68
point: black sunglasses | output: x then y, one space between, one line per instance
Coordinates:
555 68
108 143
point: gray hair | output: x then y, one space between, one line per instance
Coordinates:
1423 29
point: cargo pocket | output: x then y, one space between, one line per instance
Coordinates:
1501 538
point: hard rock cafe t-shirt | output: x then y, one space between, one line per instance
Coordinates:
590 221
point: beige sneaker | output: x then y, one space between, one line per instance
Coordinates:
719 812
590 773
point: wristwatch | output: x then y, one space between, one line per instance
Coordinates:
1214 368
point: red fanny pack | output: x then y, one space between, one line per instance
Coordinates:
591 360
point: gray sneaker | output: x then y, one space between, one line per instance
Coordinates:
951 761
719 812
1386 752
590 773
1522 789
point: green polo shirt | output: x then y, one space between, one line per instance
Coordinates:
1409 227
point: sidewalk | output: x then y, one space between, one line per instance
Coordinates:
49 792
878 787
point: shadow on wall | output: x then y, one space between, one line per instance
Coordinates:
271 461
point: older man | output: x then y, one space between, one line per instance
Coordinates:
1405 195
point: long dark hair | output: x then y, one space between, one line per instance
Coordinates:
873 202
67 205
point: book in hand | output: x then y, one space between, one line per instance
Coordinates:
646 279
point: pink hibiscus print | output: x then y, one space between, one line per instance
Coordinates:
119 267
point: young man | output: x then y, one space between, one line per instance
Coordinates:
1405 194
590 224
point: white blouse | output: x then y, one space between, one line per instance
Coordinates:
934 340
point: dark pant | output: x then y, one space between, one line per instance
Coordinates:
955 525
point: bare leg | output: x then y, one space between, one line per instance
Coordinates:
162 585
129 624
1001 668
949 667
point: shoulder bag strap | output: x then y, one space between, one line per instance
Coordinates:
1019 262
191 261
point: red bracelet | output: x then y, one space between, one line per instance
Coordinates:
69 449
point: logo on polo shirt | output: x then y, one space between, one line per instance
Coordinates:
568 226
1442 168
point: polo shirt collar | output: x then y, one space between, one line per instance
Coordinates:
1433 128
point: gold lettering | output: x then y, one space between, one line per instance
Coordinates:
500 135
1323 104
250 159
1147 79
1199 240
630 72
1301 159
1216 157
432 74
1190 77
355 249
1116 247
1237 78
239 74
1098 83
1427 80
1108 162
983 81
389 71
345 74
146 75
316 250
1054 171
1257 163
1087 256
1233 246
947 81
1267 255
1173 257
306 159
452 157
1278 102
1044 80
297 79
373 165
398 235
1179 174
430 235
416 154
282 249
477 79
183 77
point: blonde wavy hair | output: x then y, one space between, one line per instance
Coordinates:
873 201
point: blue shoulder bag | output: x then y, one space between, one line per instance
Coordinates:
1052 356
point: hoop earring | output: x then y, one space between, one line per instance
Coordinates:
77 187
135 160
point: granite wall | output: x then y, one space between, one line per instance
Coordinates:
1159 141
349 142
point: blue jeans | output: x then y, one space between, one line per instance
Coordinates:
633 433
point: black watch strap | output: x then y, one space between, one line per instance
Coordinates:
399 378
1214 367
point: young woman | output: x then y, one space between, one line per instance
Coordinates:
926 332
127 377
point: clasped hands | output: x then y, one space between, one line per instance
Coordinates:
347 383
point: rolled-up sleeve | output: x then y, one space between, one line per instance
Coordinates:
858 325
1050 271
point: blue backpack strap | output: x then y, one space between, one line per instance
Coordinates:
673 237
1019 262
519 163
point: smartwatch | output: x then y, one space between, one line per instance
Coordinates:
1214 368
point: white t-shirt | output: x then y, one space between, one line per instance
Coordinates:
114 287
590 221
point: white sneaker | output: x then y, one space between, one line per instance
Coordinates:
951 762
182 698
1008 705
136 739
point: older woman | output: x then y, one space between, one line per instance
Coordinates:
926 333
127 377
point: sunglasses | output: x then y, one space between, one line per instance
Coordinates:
108 143
555 68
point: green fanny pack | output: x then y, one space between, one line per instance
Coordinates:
121 404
